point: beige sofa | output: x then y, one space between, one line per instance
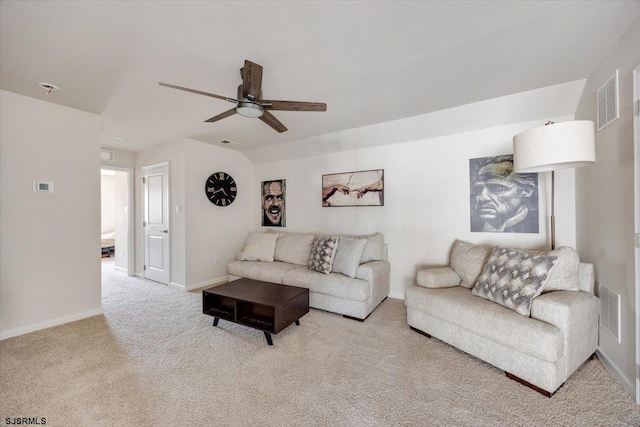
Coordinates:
354 297
540 351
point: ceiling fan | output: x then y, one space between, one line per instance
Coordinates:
250 102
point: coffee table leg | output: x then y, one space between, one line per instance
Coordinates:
298 322
215 321
267 335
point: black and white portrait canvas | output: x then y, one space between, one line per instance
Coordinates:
502 201
273 203
362 188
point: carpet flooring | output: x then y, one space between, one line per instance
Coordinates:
154 359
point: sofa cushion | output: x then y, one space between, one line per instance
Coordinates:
441 277
468 260
374 249
323 253
294 248
492 321
348 256
565 275
513 278
333 284
267 272
259 247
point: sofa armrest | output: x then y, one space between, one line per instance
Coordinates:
378 275
575 313
441 277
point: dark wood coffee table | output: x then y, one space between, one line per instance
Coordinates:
265 306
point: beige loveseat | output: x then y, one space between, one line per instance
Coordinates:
540 351
357 283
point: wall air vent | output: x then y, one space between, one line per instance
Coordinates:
610 311
107 155
608 110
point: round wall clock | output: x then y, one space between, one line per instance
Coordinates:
221 189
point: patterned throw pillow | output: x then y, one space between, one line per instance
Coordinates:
513 278
323 252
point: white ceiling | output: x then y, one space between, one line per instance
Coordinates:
370 61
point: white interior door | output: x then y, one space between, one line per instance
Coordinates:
156 223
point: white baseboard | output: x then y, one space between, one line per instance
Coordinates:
211 282
176 286
396 295
115 267
49 323
626 382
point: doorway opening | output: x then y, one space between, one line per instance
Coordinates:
116 233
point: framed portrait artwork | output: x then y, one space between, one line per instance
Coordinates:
501 200
273 204
361 188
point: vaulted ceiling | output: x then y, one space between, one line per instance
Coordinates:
370 61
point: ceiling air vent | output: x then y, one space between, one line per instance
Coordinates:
608 110
610 311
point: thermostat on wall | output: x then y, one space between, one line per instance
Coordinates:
39 186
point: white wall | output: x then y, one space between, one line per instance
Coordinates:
214 231
426 197
50 246
107 203
174 153
201 231
604 200
121 158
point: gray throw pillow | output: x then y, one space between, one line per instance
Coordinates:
374 249
259 247
468 260
513 278
565 275
348 256
323 252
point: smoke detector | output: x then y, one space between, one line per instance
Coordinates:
48 87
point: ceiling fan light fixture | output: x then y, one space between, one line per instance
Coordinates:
249 109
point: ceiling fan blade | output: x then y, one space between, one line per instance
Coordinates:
199 92
294 106
251 80
221 116
271 120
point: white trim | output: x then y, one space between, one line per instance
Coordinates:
204 284
396 295
626 383
635 112
175 285
124 270
49 323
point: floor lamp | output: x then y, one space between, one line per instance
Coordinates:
552 147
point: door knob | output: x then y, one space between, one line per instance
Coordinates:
165 231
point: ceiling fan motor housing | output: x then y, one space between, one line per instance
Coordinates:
249 109
240 97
